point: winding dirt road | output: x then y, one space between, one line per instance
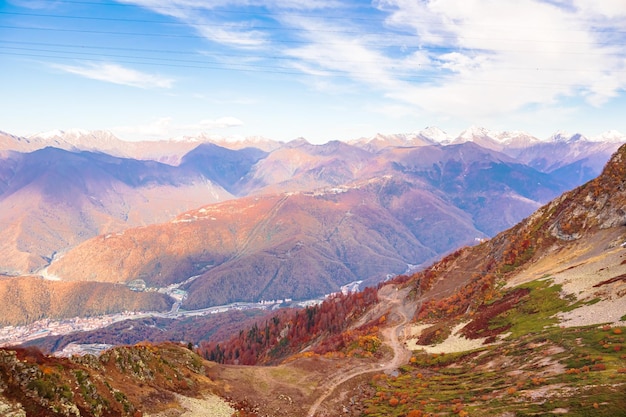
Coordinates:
392 299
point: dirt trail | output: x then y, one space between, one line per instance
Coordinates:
392 299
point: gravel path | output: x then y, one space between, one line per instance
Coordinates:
394 299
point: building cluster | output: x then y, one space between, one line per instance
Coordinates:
13 335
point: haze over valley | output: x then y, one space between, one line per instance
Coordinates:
295 220
507 324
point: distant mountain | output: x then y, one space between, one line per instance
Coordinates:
258 142
296 245
224 166
301 166
381 141
530 322
575 159
27 299
76 140
428 189
167 151
416 203
479 181
52 199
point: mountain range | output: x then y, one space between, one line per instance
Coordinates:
302 219
529 322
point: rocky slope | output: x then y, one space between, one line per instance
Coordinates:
126 381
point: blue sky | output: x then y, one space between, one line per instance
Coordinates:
322 70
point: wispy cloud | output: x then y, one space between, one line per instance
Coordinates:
166 127
498 64
211 124
467 58
117 74
156 129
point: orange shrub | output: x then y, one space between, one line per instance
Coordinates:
598 367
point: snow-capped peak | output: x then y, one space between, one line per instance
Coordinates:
435 134
562 136
73 133
474 132
610 136
48 135
76 133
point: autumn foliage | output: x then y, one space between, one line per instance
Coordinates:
288 331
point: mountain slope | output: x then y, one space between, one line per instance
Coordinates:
298 245
478 181
587 224
301 166
100 141
430 198
223 166
530 322
126 381
550 292
27 299
303 245
52 199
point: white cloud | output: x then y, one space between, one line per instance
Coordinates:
235 35
117 74
166 128
211 124
159 128
607 8
452 58
497 57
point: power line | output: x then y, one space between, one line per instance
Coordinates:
177 52
285 71
220 10
285 14
196 53
295 29
282 41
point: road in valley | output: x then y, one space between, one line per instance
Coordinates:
392 299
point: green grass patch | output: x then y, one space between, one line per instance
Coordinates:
536 311
539 369
573 369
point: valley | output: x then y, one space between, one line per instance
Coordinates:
298 218
521 322
249 208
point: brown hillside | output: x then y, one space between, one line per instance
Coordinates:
51 200
298 245
27 299
580 227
